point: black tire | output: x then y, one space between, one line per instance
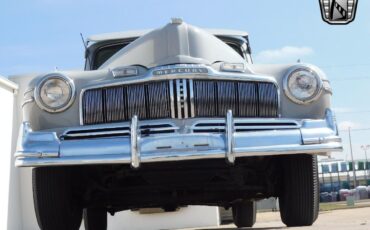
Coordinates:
55 205
299 198
95 218
244 213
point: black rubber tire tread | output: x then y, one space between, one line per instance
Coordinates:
52 194
299 199
244 213
95 218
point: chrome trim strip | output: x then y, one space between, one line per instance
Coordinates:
178 94
29 100
244 123
236 128
185 97
172 98
80 112
97 133
163 129
113 132
229 133
28 91
122 125
191 95
135 148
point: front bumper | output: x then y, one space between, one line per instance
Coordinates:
188 139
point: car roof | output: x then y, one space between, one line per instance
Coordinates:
139 33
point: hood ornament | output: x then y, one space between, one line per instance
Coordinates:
177 21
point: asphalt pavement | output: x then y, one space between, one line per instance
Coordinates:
346 219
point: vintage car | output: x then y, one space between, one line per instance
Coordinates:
172 117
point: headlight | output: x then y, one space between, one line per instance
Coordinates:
55 93
302 85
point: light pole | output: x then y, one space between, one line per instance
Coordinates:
353 161
365 148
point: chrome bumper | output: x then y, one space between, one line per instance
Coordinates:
189 141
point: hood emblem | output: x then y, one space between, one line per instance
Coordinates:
181 70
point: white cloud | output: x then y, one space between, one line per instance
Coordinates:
344 125
286 53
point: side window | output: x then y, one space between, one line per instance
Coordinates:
237 48
104 53
239 45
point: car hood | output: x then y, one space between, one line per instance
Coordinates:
173 44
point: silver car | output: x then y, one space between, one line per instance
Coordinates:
172 117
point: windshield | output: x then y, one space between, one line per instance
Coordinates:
103 53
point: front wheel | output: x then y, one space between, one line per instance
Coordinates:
244 213
299 198
56 206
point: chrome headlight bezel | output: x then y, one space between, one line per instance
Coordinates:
295 99
37 93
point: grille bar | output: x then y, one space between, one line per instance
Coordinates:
181 98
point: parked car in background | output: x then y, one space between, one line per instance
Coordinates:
172 117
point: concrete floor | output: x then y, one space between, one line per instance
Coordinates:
348 219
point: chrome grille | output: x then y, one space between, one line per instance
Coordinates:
245 99
93 107
181 98
267 100
147 101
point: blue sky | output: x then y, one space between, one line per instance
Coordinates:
39 35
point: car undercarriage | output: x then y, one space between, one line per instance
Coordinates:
172 184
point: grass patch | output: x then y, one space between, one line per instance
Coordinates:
343 205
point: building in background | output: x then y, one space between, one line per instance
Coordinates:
339 178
